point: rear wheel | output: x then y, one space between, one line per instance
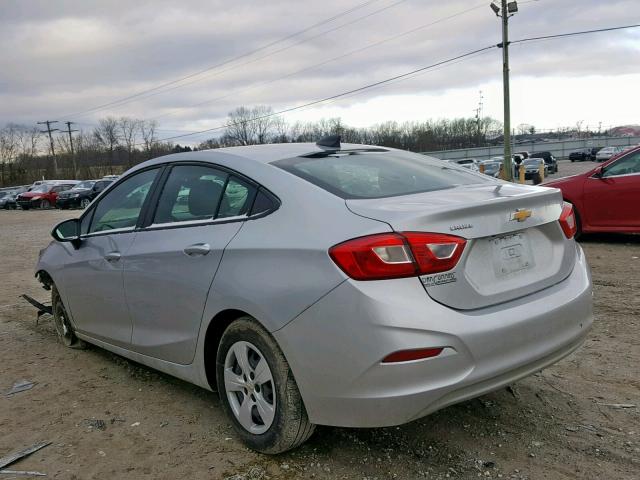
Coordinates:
258 391
62 323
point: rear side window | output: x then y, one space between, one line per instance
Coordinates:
355 175
190 193
237 198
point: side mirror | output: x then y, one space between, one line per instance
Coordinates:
599 172
67 231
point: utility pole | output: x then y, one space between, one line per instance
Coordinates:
506 10
49 130
73 155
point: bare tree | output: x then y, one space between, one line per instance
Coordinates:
129 129
263 122
148 132
107 135
9 144
239 127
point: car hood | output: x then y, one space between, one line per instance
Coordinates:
32 194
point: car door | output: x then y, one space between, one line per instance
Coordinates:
93 275
612 198
173 259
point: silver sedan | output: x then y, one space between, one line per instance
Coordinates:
344 285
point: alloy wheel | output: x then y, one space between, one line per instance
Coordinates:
84 203
249 387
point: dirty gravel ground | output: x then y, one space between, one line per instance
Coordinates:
555 425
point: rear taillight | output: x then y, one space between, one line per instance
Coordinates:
397 255
568 220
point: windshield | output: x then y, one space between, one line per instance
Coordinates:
377 174
83 185
43 188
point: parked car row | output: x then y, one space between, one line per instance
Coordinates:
531 160
599 154
45 194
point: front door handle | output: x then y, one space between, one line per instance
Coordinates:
112 256
197 249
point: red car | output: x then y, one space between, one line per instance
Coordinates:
43 195
607 198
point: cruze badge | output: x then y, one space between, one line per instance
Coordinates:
463 226
520 215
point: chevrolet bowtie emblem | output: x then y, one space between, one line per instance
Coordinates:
520 215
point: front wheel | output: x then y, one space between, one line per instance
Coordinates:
64 329
45 205
84 203
258 391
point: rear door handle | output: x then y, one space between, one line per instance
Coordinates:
112 256
197 249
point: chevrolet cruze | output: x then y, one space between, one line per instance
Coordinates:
329 284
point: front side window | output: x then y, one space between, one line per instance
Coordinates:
121 207
353 175
191 193
624 166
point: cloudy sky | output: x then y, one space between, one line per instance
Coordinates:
78 60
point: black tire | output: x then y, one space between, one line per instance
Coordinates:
25 207
61 321
578 234
290 426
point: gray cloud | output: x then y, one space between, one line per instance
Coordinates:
65 57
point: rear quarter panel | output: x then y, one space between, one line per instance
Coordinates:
279 265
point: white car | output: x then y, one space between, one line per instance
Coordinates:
607 152
470 163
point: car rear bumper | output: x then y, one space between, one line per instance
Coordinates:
335 347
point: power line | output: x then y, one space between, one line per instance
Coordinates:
571 34
325 62
343 94
401 76
157 90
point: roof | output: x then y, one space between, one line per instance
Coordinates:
275 151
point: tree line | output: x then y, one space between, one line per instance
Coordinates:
115 144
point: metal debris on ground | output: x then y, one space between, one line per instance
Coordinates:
22 473
42 308
95 423
618 405
20 386
14 457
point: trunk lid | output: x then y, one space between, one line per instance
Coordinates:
515 245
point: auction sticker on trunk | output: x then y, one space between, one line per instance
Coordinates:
511 253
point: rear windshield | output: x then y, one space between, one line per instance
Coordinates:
379 174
